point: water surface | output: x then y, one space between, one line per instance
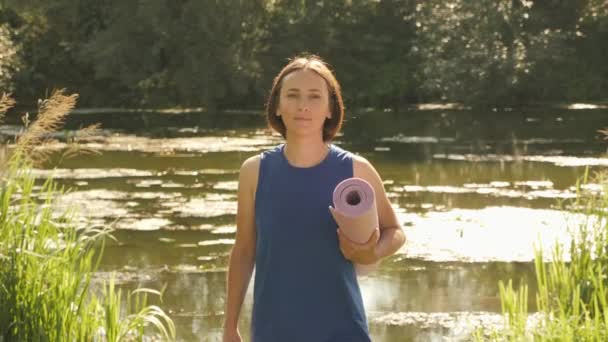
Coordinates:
474 193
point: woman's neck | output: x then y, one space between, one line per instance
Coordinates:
305 152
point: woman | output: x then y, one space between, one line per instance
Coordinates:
305 286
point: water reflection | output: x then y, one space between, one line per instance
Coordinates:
556 160
409 299
176 144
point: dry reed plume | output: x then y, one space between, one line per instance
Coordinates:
6 103
51 116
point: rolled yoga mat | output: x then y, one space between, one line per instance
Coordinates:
356 214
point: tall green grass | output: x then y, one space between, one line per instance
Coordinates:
47 261
572 295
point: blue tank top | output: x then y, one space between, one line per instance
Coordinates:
304 288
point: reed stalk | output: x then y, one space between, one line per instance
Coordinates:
571 296
48 261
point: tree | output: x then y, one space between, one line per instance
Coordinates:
179 52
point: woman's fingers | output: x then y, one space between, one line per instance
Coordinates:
349 248
373 240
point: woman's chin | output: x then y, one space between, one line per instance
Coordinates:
305 131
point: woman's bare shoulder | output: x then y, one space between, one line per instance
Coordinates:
250 169
362 168
251 164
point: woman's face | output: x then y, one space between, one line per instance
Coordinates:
304 103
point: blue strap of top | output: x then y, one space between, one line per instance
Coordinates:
304 288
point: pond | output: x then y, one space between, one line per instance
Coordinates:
475 192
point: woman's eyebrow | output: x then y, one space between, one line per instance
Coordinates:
311 89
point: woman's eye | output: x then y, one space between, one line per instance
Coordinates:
314 96
291 95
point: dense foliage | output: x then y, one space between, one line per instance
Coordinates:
387 53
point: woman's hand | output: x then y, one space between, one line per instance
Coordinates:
232 335
358 253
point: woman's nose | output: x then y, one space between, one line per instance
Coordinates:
303 106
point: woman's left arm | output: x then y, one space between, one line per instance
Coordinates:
391 234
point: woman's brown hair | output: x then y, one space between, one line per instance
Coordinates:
332 126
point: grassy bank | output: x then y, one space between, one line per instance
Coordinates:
572 295
46 288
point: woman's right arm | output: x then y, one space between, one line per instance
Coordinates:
242 257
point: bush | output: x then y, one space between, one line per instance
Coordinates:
47 261
572 296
